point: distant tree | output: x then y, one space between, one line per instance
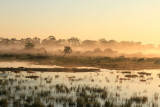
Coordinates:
103 41
74 41
36 40
13 40
49 41
51 38
89 43
22 41
112 41
141 60
29 45
67 50
61 42
6 41
28 40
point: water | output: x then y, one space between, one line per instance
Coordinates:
119 88
16 64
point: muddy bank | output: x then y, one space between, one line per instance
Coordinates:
51 69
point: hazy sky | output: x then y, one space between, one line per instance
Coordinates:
130 20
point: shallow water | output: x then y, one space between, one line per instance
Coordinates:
114 82
16 64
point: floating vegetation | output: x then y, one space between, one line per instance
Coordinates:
144 73
142 80
124 79
32 76
131 76
126 72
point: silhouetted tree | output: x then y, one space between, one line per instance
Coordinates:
5 41
67 50
52 38
28 40
61 42
103 41
88 43
49 41
13 40
29 45
36 40
74 41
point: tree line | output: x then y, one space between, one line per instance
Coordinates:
73 41
52 45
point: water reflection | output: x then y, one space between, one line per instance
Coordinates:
16 64
59 89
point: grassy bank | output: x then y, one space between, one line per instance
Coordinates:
118 63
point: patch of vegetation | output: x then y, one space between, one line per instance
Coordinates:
119 63
4 103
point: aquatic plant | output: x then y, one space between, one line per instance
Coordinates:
4 103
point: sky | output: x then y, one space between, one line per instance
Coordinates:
121 20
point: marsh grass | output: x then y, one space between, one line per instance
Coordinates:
46 92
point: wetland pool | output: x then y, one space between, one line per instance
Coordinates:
107 88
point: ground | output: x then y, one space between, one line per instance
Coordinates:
117 63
